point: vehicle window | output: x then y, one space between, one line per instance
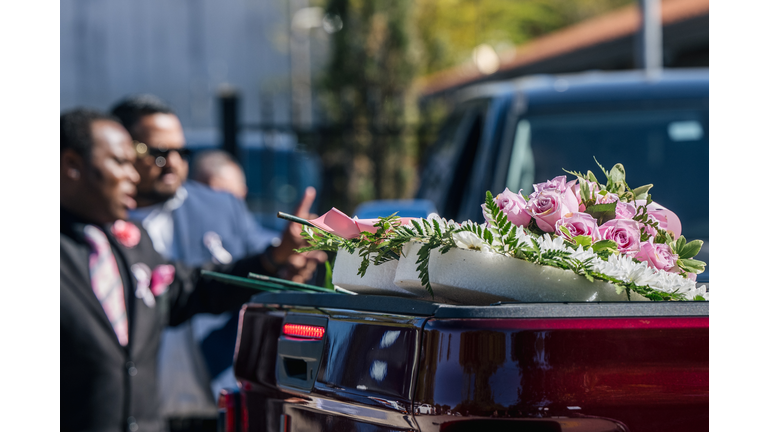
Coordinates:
453 157
669 149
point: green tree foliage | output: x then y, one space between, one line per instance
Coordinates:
366 90
450 29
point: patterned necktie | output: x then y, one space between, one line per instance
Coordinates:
106 281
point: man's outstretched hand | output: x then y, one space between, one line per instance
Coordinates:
298 267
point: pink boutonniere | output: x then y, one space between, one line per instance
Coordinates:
162 276
126 233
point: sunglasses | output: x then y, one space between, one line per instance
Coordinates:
160 154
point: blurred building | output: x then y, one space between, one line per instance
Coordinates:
606 42
182 51
188 52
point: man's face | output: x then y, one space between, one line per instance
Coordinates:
110 178
160 131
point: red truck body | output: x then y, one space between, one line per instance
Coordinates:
386 364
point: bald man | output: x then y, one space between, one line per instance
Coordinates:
219 170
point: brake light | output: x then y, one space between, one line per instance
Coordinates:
304 331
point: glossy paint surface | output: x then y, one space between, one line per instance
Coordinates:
364 383
639 374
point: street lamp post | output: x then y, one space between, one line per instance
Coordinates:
303 19
649 54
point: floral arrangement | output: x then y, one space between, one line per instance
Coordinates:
607 232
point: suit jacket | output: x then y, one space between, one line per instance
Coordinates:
105 386
206 210
194 354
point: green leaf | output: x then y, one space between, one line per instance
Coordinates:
691 249
679 245
691 265
488 236
436 224
641 192
575 173
583 240
699 298
608 245
591 177
417 225
586 194
617 175
601 169
328 282
602 212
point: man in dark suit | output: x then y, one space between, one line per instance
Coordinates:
190 222
117 293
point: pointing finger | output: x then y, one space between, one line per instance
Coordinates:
302 210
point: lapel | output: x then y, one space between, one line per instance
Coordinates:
144 321
181 226
75 275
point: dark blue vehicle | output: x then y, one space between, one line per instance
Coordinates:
524 131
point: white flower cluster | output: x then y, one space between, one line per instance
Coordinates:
620 267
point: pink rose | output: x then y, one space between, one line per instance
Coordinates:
162 276
573 185
658 255
625 232
513 206
668 220
126 233
548 207
557 184
606 198
578 224
625 210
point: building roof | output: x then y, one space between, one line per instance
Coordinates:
610 26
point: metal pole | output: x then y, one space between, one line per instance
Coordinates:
229 101
649 47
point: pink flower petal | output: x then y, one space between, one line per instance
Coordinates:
126 233
338 223
162 276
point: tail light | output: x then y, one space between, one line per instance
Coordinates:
304 331
299 349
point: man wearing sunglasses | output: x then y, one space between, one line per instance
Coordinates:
190 222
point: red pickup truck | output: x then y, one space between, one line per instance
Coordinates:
332 362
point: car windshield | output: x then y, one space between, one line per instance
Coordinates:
669 149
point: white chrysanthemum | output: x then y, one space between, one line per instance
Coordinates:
442 221
700 291
470 240
670 282
582 255
625 269
547 243
523 237
639 273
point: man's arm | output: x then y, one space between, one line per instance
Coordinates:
195 294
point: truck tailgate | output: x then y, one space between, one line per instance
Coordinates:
385 363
